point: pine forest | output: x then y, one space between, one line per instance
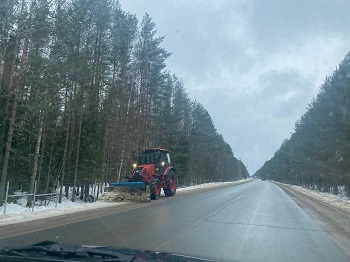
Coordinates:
316 156
84 85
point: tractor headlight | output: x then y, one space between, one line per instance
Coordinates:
134 165
163 163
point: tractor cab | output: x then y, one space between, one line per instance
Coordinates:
159 157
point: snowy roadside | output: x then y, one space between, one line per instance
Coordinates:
17 213
212 185
330 199
334 200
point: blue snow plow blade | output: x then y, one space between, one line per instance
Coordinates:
140 185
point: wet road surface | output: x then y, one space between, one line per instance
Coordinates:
255 221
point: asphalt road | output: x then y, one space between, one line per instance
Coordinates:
255 221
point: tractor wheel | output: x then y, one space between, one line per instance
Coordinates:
170 189
155 187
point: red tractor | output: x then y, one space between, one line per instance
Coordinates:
154 168
153 171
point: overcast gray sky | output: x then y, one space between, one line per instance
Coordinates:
255 65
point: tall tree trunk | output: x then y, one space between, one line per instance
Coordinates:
9 88
63 168
49 169
105 159
72 134
14 110
41 157
86 192
78 147
125 137
36 159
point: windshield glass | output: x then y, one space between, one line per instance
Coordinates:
149 158
217 129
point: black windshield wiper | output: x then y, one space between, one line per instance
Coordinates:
51 251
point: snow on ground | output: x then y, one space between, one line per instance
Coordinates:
334 200
16 213
209 185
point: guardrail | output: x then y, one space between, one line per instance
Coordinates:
34 196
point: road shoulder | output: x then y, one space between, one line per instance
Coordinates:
334 218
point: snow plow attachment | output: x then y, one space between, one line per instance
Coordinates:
139 185
126 192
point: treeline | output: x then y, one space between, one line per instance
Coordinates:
83 85
317 154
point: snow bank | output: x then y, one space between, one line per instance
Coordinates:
16 213
335 200
209 185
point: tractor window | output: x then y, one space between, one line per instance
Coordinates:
149 158
164 157
168 158
154 158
